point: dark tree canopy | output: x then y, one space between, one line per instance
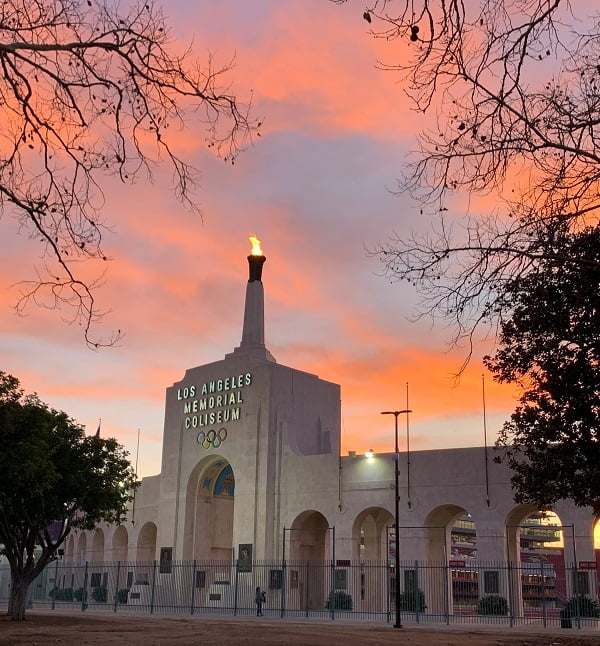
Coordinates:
550 345
50 471
91 89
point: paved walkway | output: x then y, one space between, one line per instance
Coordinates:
461 626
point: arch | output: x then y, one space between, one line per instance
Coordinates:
438 531
96 554
209 509
310 540
120 544
369 534
310 536
146 543
81 549
370 545
530 530
70 549
451 538
535 547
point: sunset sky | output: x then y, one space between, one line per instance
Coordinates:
315 188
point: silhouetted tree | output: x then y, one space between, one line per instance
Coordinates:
51 474
515 89
90 89
549 344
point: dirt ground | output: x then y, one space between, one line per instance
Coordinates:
65 630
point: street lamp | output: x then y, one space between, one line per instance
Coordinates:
395 413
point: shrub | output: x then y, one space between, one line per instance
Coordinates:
78 594
492 604
122 595
341 600
412 602
99 594
61 594
581 606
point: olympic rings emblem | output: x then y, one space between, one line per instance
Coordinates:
211 439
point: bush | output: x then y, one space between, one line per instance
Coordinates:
61 594
122 595
99 594
581 606
78 594
492 604
412 602
341 600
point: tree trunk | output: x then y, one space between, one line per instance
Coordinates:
18 598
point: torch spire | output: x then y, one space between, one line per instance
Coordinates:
253 333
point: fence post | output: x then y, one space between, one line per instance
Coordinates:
153 589
85 580
388 589
332 584
307 586
447 589
416 594
117 585
332 590
55 584
235 591
576 590
283 585
193 587
510 594
543 595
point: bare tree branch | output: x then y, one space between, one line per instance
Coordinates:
515 89
89 90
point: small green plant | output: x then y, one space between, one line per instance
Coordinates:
61 594
99 594
411 601
492 604
122 595
341 600
581 606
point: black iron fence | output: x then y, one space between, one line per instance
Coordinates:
458 591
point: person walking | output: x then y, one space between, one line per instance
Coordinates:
260 599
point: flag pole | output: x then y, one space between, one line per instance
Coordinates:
407 453
485 446
137 453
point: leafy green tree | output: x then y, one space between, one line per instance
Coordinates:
550 344
50 471
89 90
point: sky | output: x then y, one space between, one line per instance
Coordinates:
316 188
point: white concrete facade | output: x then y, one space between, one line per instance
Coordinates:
251 447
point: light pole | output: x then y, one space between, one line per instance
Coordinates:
395 413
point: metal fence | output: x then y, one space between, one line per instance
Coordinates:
459 591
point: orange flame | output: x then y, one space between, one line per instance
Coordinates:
256 248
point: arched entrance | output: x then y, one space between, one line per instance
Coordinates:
146 543
371 547
310 539
120 544
451 539
209 511
96 554
81 549
535 547
369 534
70 552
